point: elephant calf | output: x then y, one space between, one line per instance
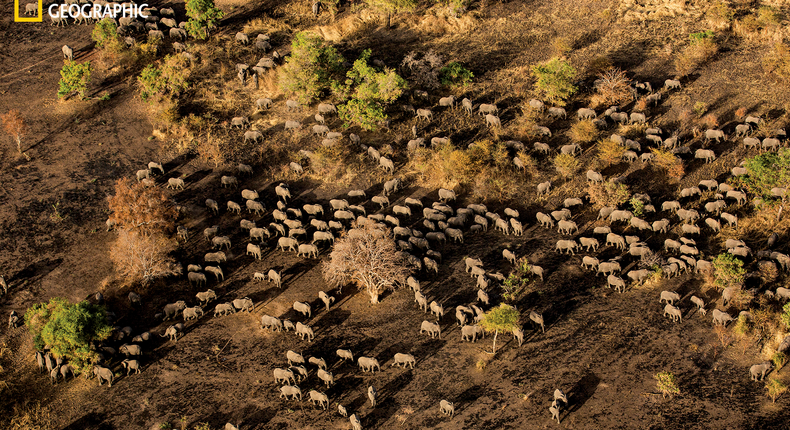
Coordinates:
131 366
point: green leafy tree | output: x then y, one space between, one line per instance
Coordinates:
74 77
638 206
455 75
370 90
775 388
764 173
554 80
105 34
312 68
728 271
518 280
391 7
203 16
68 329
170 78
503 318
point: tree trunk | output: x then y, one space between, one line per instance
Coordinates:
374 296
779 213
389 19
19 144
496 332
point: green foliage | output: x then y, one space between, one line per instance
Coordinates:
728 271
203 16
311 69
637 206
555 80
666 384
764 172
502 318
106 36
775 388
785 315
169 78
74 77
608 193
518 280
779 359
369 91
700 108
455 75
700 36
68 329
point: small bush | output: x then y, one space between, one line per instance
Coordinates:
455 75
74 77
777 61
554 80
740 113
666 384
566 165
637 206
700 108
168 79
614 87
779 360
775 388
720 15
669 162
785 316
728 271
700 37
584 131
609 151
106 36
608 193
598 65
561 46
710 121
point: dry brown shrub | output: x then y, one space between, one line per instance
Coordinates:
143 258
369 259
15 126
609 151
561 46
724 335
710 121
777 61
210 151
608 193
137 208
746 27
740 113
567 165
30 417
671 164
530 164
720 15
614 87
584 131
632 131
641 104
694 55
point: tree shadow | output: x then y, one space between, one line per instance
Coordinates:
582 391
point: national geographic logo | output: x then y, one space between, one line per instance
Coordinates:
36 9
34 12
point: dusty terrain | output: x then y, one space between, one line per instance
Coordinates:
600 347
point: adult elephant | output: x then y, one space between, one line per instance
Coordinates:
103 374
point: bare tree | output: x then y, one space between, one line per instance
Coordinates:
142 257
136 207
368 257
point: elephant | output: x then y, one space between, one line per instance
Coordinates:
174 308
128 350
193 313
131 366
171 332
103 374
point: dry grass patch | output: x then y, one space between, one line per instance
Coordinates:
584 132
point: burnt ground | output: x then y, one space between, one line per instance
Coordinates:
600 347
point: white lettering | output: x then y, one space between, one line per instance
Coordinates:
74 10
53 14
107 11
116 9
64 11
141 9
127 9
96 12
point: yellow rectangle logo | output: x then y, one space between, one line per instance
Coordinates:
28 11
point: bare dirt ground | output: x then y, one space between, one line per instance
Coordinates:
600 347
